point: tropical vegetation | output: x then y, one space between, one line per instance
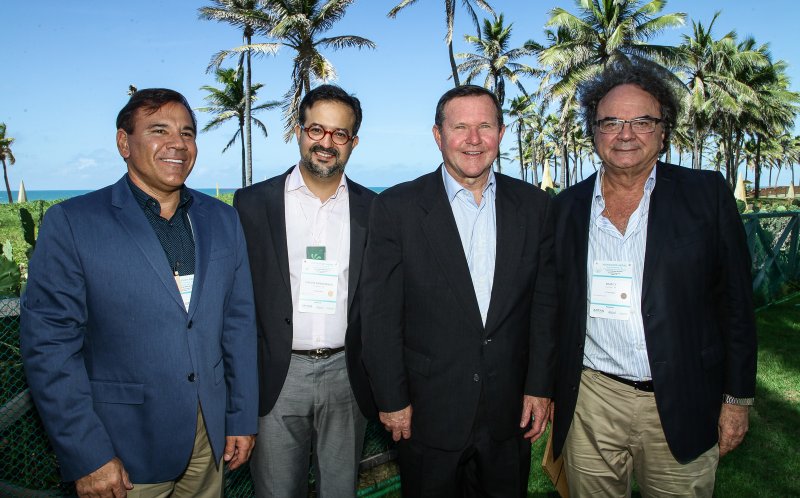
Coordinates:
6 156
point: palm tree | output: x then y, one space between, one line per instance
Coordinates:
518 110
450 15
494 58
6 155
297 24
601 32
230 102
240 13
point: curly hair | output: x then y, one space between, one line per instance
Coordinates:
650 77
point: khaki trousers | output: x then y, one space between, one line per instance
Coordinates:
201 479
616 433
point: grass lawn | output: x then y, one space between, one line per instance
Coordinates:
767 464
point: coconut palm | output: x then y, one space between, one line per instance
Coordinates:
494 57
6 156
298 24
518 111
230 102
242 14
450 15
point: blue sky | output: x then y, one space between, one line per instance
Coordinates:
67 67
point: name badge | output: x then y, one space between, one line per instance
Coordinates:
612 282
185 284
318 286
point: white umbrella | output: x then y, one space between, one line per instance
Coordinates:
21 195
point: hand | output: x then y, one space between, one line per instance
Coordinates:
109 481
536 411
398 423
733 424
237 450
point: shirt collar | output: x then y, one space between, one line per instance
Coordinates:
146 201
295 181
452 187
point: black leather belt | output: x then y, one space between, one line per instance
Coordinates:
319 353
641 385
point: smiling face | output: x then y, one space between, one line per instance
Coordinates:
469 138
628 152
161 150
325 159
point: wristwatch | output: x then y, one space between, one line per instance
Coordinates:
727 398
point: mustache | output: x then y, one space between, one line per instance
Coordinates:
327 150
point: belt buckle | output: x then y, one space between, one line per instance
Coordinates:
320 353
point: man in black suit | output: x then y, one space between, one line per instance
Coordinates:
657 343
459 300
306 231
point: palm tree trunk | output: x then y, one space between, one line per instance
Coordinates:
696 159
521 155
8 187
453 63
757 167
248 137
534 166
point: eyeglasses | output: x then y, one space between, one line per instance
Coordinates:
645 124
317 133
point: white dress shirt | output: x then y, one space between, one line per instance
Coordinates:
311 222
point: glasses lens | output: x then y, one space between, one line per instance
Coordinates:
610 126
643 125
315 132
340 137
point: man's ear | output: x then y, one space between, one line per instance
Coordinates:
122 144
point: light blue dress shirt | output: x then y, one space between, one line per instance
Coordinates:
477 227
618 346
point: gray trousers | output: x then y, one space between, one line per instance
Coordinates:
316 413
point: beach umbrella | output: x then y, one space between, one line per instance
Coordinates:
21 195
547 179
739 193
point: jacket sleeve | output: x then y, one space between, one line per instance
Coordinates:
540 378
735 297
52 329
382 310
239 347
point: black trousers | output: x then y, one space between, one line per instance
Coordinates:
483 468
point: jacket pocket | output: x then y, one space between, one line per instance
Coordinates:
417 362
117 392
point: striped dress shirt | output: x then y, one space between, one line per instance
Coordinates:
618 346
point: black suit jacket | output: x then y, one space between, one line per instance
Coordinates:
424 341
696 304
261 210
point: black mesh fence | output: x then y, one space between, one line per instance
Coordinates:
28 467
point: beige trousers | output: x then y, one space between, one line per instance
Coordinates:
616 433
201 479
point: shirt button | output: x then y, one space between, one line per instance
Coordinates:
191 377
288 321
476 378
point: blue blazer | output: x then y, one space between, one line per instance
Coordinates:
115 364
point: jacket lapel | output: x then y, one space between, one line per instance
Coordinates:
439 226
658 222
275 220
130 216
201 231
510 238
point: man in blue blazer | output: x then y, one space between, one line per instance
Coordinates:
138 327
